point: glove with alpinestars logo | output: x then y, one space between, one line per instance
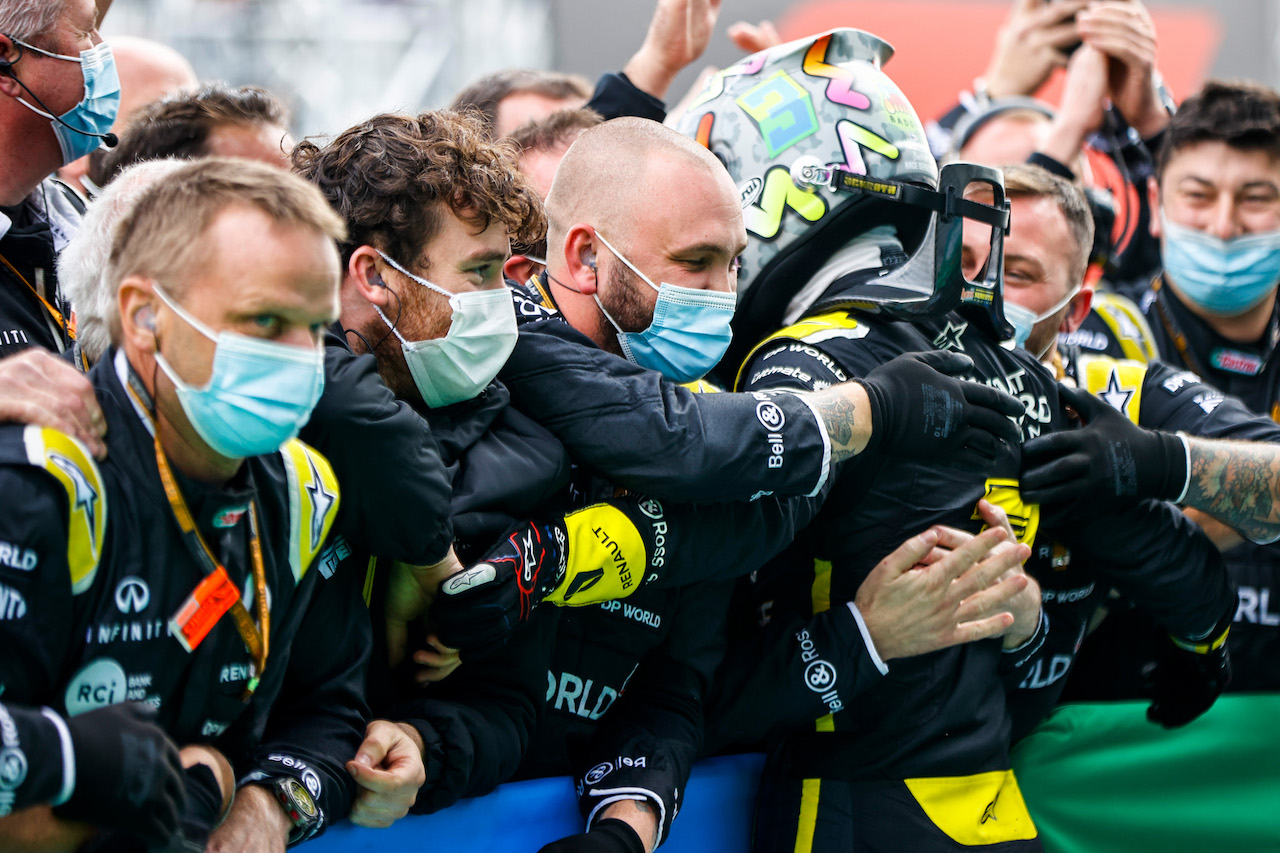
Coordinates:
591 555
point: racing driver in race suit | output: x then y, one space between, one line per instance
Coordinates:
855 246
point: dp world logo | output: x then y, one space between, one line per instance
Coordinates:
819 676
770 416
132 595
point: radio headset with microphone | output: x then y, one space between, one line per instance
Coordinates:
6 70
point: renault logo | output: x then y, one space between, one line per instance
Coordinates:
132 595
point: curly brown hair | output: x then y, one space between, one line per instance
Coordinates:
388 176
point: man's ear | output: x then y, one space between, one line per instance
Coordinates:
137 302
520 268
1078 310
9 53
1153 204
363 274
580 258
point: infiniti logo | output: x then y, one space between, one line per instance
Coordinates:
132 595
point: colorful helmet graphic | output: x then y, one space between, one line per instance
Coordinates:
824 147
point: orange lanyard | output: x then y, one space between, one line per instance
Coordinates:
257 638
53 312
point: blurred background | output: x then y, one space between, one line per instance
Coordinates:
337 61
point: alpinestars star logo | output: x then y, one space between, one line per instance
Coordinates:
86 494
321 503
1116 397
949 337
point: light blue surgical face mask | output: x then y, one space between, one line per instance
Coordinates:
1024 320
259 394
689 333
482 333
1223 277
80 129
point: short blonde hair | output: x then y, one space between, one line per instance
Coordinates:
159 238
82 264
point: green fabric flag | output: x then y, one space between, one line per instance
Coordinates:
1099 777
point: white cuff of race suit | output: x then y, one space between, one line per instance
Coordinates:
68 757
1186 449
1033 643
617 795
826 449
867 641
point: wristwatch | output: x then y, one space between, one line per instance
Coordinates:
298 804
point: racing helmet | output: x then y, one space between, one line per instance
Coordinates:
823 148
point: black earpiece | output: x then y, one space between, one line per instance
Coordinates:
6 65
376 281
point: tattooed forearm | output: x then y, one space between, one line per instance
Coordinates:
1237 483
848 424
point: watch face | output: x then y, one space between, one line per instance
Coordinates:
300 799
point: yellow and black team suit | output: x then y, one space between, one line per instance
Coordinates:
1111 660
32 310
105 568
609 691
1202 384
914 755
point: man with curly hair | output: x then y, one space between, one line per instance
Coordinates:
430 206
430 224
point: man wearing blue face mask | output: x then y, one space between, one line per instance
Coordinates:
59 94
179 571
423 263
1212 316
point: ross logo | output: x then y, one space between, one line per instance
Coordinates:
595 774
819 676
770 415
13 768
651 508
482 573
132 595
98 684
